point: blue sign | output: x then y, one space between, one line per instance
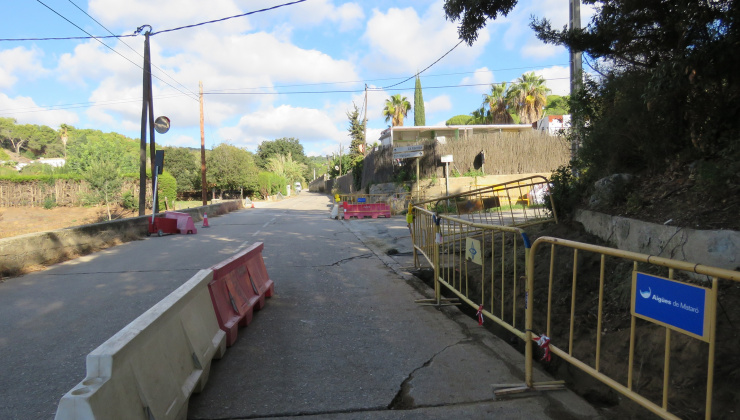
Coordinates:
361 199
679 305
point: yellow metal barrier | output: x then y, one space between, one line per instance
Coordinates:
514 203
482 264
562 332
505 279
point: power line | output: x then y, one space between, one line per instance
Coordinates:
43 108
106 45
153 33
131 48
310 92
67 38
227 18
381 79
427 67
123 101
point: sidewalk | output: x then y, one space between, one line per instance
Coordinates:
342 338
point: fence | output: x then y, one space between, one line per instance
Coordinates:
516 203
494 270
61 192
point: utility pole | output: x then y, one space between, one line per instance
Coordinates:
203 185
146 83
576 71
364 123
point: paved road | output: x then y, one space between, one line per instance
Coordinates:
341 338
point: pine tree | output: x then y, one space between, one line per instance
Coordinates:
356 131
419 117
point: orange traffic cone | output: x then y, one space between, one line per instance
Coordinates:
252 204
205 220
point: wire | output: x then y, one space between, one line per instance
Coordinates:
132 49
427 67
227 18
354 91
153 33
107 46
43 108
378 80
68 38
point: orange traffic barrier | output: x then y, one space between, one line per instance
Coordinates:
239 287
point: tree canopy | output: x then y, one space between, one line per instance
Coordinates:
473 15
282 146
396 109
231 168
184 165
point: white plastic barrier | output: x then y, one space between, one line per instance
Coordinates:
149 369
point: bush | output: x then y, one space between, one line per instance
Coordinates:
4 155
50 202
269 183
129 202
566 192
166 187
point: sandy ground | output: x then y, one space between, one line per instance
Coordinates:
16 221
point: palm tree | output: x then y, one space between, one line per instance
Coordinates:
529 97
396 108
498 104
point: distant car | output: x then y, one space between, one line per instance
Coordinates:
297 187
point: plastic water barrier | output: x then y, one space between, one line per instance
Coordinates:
149 369
239 287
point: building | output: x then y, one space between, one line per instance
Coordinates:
554 124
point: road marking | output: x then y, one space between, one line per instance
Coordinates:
242 246
256 233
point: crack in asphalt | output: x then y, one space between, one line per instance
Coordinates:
402 400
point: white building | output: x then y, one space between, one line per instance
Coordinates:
554 124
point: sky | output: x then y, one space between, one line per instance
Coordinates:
294 71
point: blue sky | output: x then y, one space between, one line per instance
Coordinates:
262 61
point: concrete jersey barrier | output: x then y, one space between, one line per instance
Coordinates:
239 287
149 369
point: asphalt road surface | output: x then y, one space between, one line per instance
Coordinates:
341 337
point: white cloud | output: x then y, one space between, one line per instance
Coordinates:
26 111
231 75
167 14
401 41
20 61
482 77
440 103
557 79
306 124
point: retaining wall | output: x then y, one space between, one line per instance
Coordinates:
20 253
716 248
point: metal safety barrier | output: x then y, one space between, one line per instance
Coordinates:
662 295
515 203
494 269
483 265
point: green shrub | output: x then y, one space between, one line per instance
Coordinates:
50 202
566 192
129 202
269 183
166 187
4 155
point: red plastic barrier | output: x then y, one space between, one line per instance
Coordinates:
366 210
239 286
184 221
